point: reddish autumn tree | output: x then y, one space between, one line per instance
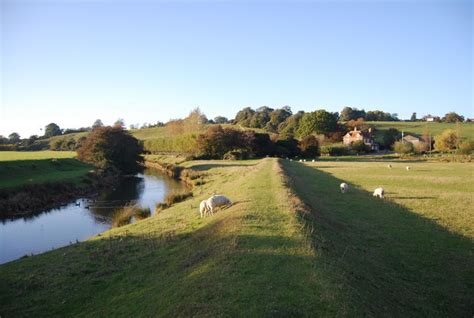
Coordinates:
111 147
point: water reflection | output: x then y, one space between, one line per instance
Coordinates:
81 219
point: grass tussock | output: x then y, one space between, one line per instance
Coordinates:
177 196
123 216
126 215
142 213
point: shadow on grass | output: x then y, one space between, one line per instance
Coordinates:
208 272
204 167
393 261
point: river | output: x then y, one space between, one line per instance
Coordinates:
81 219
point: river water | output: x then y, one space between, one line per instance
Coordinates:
81 219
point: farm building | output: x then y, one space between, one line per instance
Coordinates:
359 135
409 138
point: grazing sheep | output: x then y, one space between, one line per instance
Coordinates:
301 160
344 187
217 201
203 208
313 160
379 192
408 168
389 166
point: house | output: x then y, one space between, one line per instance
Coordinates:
409 138
359 135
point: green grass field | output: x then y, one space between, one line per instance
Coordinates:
466 130
35 155
19 168
407 255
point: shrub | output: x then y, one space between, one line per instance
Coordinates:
111 147
466 147
335 150
309 146
360 147
422 147
236 154
446 141
142 213
403 147
177 196
123 216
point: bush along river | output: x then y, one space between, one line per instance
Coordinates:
83 218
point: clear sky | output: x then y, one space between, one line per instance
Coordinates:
71 62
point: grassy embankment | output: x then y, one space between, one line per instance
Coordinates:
18 168
409 255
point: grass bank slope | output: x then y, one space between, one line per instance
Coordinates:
410 254
248 260
27 168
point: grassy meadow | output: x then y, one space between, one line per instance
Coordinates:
271 254
19 168
466 130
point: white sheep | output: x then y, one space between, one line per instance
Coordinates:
379 192
389 166
301 160
203 208
217 201
313 160
344 187
408 168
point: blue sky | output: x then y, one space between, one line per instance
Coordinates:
71 62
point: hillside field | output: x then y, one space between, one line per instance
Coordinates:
271 254
466 130
19 168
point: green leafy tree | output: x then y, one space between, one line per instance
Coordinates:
453 117
111 147
413 117
98 123
446 141
287 129
52 130
14 138
389 137
319 122
221 120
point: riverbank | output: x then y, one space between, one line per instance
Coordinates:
290 245
37 181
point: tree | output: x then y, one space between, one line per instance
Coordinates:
14 138
452 117
319 122
446 141
97 123
52 130
277 117
120 123
221 120
111 148
349 113
413 117
309 146
287 129
389 137
195 120
466 147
